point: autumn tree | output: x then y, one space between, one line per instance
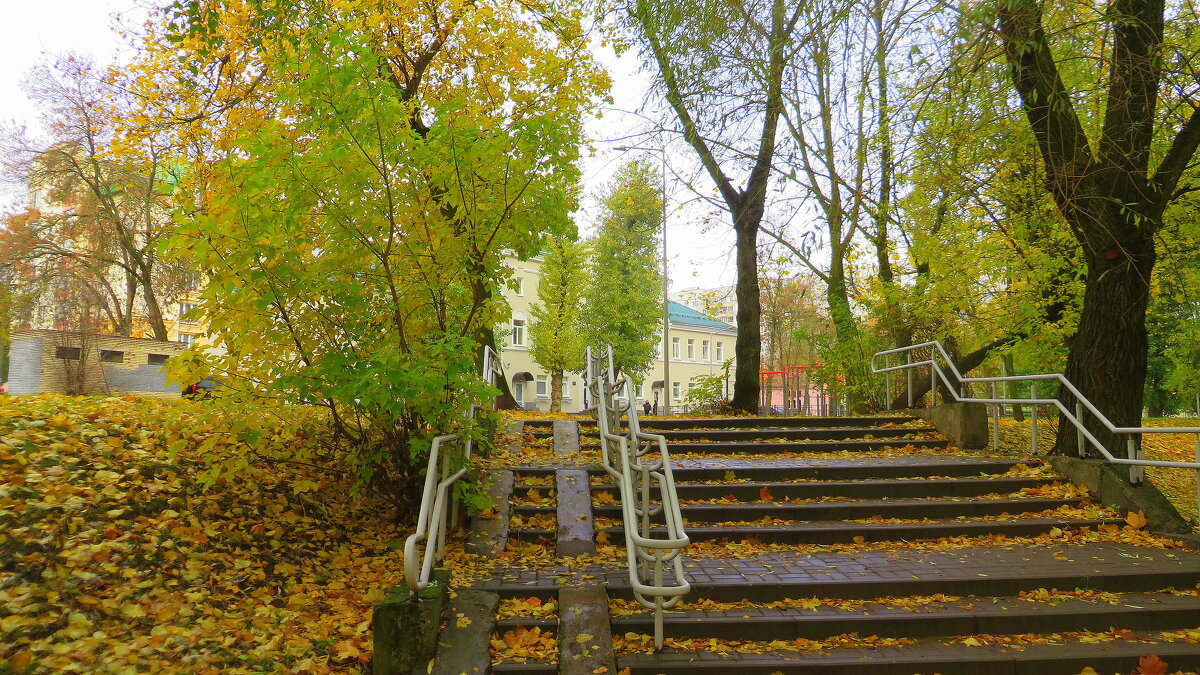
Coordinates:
721 71
623 304
1111 185
556 332
362 187
96 214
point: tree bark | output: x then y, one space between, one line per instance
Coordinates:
556 382
965 365
748 345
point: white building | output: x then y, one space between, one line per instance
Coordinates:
698 346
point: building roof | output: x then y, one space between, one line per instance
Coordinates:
686 316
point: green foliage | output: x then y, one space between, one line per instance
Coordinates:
354 238
556 330
706 393
624 300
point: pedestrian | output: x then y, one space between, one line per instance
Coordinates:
646 407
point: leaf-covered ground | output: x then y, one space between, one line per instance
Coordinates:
1179 485
115 559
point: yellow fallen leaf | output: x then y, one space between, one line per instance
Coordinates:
584 637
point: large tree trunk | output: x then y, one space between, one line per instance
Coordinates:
1107 360
748 347
556 382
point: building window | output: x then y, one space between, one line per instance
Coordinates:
185 309
720 352
187 339
68 353
691 350
704 354
675 391
519 391
191 282
518 285
156 359
108 356
543 388
675 348
518 330
641 390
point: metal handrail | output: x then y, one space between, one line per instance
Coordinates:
640 473
433 519
1135 460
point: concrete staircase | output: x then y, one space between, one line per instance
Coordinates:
868 545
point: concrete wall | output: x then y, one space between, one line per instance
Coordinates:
34 356
25 365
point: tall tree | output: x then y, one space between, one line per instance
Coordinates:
624 306
355 235
1107 190
98 213
721 69
556 333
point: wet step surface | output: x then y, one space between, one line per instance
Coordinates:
830 545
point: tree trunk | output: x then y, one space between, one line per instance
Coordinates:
556 382
1107 360
749 310
153 310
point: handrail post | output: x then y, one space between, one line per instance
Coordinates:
1198 476
887 380
909 372
1137 472
1033 441
932 383
1079 447
995 419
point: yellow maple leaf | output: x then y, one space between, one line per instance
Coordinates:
1136 520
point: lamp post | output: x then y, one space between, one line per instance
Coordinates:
662 154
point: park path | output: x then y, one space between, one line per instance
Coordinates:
833 545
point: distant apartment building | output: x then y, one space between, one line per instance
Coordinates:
696 345
718 303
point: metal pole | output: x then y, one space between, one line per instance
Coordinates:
932 384
1079 430
1198 476
785 392
1033 441
1137 472
887 379
909 372
995 420
666 298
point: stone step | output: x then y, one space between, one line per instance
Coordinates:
865 489
1060 657
654 425
855 468
829 433
839 532
980 571
968 616
735 447
886 508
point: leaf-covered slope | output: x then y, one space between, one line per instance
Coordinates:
114 559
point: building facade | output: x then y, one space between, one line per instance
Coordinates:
696 345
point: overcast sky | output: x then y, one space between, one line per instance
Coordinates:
35 28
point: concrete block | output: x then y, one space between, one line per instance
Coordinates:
575 531
1110 484
566 437
584 632
464 643
406 627
965 423
488 535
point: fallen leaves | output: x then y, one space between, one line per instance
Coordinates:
525 644
126 563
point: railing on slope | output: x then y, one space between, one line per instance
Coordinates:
641 467
438 508
1136 460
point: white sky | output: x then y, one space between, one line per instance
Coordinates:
35 28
